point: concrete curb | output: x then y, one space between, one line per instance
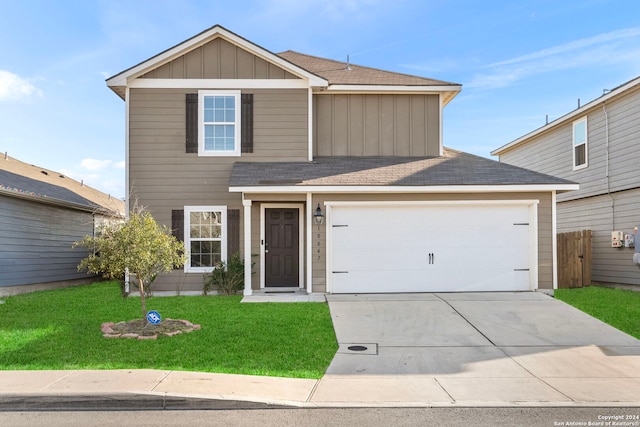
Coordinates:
123 402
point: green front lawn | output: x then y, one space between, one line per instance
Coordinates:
618 308
61 330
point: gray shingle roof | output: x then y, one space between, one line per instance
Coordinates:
454 168
22 185
25 180
336 72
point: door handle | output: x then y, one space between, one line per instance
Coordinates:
266 248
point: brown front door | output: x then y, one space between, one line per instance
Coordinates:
282 247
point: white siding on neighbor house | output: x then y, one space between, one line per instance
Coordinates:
602 215
36 239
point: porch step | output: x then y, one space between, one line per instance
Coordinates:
284 295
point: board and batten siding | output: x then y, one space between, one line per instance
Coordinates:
609 264
616 123
218 59
163 177
376 125
36 240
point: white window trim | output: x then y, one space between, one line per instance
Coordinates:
237 134
586 144
187 236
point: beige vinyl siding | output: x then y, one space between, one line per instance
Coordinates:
551 152
218 59
163 177
602 215
257 201
545 235
376 125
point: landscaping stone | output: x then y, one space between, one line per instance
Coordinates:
142 330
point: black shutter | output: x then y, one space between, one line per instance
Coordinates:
177 227
233 232
192 123
177 224
247 123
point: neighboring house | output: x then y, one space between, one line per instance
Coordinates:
333 175
42 213
596 145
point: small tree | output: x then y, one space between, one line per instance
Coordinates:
138 245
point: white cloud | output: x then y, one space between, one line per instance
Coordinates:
95 165
120 165
13 87
606 48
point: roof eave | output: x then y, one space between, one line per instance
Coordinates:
58 202
266 189
449 92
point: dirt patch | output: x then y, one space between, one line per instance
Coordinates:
141 329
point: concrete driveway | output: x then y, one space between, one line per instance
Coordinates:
476 349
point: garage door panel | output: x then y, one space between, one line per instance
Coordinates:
430 248
405 236
452 259
390 281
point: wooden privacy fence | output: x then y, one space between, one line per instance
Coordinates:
574 259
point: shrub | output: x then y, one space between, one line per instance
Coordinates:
227 278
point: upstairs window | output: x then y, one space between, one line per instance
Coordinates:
580 148
219 123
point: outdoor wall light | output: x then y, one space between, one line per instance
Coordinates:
318 216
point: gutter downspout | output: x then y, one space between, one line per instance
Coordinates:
606 137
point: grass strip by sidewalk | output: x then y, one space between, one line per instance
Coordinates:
619 308
61 330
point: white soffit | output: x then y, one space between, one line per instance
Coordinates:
264 189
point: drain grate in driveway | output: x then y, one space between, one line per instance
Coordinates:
370 349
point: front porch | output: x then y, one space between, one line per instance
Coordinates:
284 295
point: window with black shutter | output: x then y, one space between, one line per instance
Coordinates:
219 114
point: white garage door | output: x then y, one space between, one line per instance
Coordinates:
429 248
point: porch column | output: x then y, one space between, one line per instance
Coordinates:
247 247
309 241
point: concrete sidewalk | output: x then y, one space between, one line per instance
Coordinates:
150 389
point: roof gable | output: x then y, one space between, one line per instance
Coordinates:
219 59
118 82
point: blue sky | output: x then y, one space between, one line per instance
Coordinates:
518 61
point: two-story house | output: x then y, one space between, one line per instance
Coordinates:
595 145
331 177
